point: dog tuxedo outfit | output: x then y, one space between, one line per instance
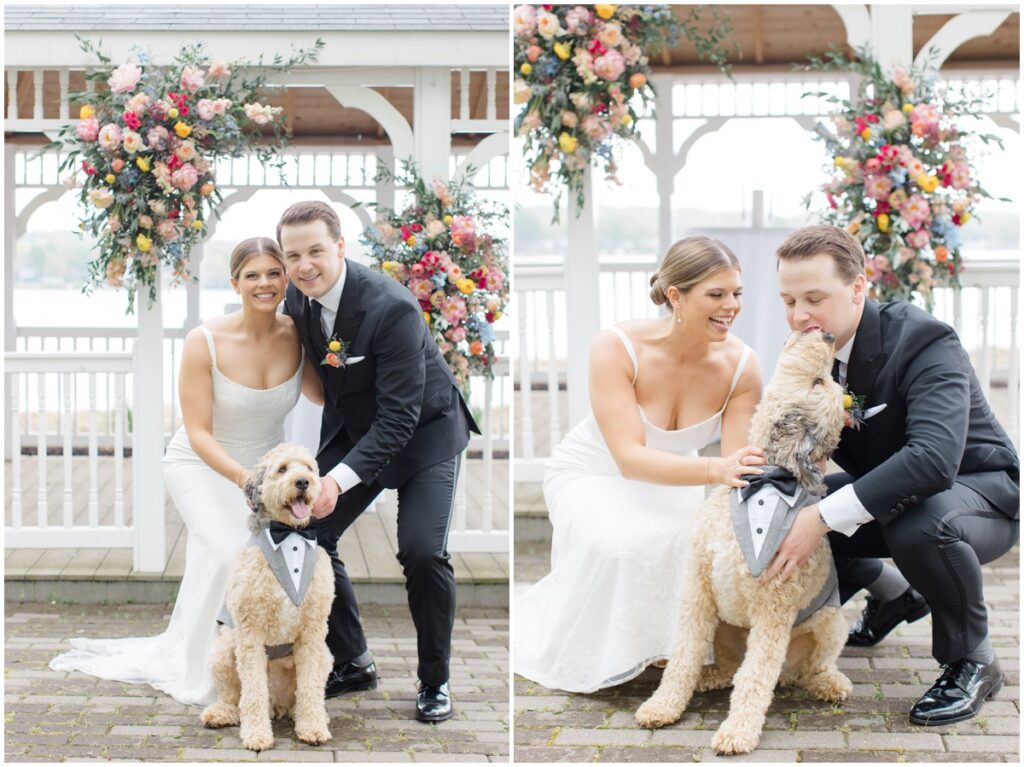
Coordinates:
291 555
762 513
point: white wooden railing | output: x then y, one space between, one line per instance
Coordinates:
984 313
107 523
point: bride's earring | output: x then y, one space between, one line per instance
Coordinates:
677 315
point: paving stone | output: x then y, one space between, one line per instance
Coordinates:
554 754
988 743
880 741
371 756
644 754
760 755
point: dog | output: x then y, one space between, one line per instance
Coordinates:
797 423
255 674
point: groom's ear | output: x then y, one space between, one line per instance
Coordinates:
341 246
859 288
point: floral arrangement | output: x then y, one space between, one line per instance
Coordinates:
900 177
579 69
445 248
146 143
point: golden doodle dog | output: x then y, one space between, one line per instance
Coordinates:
280 593
793 629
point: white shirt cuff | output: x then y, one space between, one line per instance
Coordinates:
843 511
344 476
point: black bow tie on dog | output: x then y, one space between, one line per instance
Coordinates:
280 531
779 478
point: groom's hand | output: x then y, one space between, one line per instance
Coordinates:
328 498
798 545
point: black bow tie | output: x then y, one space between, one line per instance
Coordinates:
779 478
835 371
280 531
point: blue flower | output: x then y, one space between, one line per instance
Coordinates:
486 333
898 175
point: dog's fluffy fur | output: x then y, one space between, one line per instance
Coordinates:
249 688
797 424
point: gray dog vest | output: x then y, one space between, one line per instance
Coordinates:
279 566
761 523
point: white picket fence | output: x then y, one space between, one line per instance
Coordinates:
984 313
73 393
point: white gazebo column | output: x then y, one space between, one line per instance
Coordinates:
664 160
10 244
582 297
192 287
892 35
148 438
432 121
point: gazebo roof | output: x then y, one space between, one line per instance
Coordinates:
258 18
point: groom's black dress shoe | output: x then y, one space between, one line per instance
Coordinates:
879 618
351 677
434 704
959 693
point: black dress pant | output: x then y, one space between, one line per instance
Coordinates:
425 504
939 545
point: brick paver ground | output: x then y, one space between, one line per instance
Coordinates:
56 716
872 726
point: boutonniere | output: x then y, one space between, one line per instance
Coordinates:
337 354
853 404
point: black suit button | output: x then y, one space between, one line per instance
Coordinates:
759 531
761 502
296 569
295 548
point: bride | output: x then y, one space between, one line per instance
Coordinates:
240 376
623 487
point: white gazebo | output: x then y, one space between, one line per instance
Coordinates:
392 83
558 314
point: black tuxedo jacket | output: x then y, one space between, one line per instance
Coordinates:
399 409
937 428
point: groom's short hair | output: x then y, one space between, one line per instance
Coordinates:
311 210
818 239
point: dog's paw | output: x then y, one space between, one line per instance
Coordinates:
220 714
733 740
258 740
314 736
832 686
654 713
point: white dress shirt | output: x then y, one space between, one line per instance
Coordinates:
330 302
760 510
295 548
842 510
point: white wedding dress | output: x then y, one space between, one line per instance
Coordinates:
609 606
247 423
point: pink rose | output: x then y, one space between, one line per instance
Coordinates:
525 17
893 119
570 119
124 78
443 194
548 26
961 176
137 104
463 232
146 222
610 66
168 230
187 151
610 36
434 228
110 137
456 334
577 20
132 142
88 130
495 280
184 178
919 239
916 211
192 79
416 270
595 128
877 187
218 69
117 165
159 207
157 137
220 106
204 108
421 288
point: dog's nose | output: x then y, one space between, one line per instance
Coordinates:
302 484
829 338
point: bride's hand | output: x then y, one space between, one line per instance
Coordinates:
243 478
731 469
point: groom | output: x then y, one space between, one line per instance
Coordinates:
930 478
393 417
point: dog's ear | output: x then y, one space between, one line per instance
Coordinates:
808 473
252 491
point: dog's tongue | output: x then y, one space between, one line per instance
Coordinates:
299 509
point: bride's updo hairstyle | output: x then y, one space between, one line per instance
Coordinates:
688 262
249 249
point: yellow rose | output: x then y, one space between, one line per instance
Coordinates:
964 218
86 112
110 178
865 134
847 401
498 316
143 164
562 50
172 113
447 220
908 108
465 285
182 130
883 222
840 162
411 241
604 11
426 317
567 143
334 346
143 243
626 119
526 68
206 189
197 224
